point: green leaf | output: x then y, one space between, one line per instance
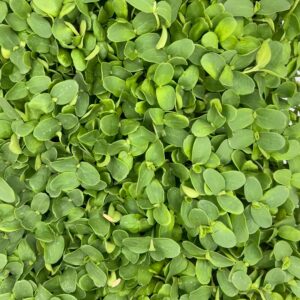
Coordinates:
155 153
214 181
68 280
242 83
275 276
203 292
183 48
276 196
189 78
163 74
240 8
240 228
22 289
109 124
66 181
7 194
191 193
213 64
261 215
201 150
289 233
253 190
38 84
146 6
64 164
164 10
282 249
155 192
294 266
230 204
3 261
144 23
295 180
226 28
118 169
234 180
264 55
203 271
29 219
40 104
40 203
146 46
177 265
202 128
244 118
17 92
137 245
50 8
87 174
241 139
167 247
22 129
268 7
145 176
166 97
270 119
68 121
120 32
99 225
38 181
65 92
226 77
128 126
39 25
3 11
210 40
46 129
5 129
114 85
162 215
96 274
8 38
198 217
226 286
271 141
192 249
78 59
53 251
176 120
222 235
220 261
283 176
241 280
8 109
253 253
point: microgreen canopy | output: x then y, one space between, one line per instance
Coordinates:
149 149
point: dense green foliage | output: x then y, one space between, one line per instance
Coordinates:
149 150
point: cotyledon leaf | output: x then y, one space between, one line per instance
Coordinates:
46 129
53 251
120 32
65 92
7 194
146 6
213 64
223 236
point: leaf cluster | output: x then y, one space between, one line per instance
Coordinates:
149 149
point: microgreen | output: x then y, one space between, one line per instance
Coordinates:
149 149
